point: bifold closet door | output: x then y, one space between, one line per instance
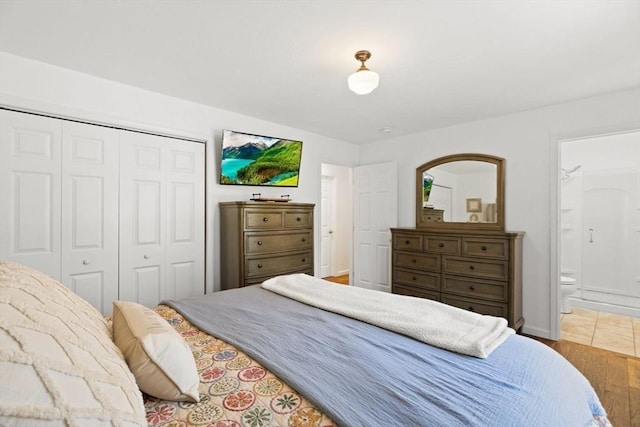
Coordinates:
30 191
90 175
161 218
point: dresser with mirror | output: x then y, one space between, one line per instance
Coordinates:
459 253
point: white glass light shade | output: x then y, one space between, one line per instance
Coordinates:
363 82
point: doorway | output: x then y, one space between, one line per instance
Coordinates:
336 219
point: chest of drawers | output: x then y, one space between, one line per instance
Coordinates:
480 272
261 240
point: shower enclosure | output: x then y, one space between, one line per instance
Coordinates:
600 222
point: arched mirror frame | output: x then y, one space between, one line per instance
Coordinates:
451 226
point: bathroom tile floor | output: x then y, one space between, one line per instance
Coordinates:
608 331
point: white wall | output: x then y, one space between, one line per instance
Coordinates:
39 86
529 143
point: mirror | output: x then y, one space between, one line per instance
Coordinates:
461 191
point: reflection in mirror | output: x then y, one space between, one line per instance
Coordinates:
463 191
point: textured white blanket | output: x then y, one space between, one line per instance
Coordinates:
428 321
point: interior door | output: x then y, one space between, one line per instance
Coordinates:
375 212
185 219
90 176
326 232
142 218
30 165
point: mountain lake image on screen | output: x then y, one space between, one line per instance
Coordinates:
249 159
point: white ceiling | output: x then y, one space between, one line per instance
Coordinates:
440 62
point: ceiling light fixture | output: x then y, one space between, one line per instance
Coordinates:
363 81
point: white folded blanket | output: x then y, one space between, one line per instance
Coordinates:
428 321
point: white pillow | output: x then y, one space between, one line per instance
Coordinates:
58 364
158 356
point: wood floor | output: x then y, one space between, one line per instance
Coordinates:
614 376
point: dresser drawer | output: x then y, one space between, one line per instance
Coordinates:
475 288
494 248
442 245
407 242
418 261
255 219
263 243
258 280
484 307
415 292
419 280
298 219
276 265
486 269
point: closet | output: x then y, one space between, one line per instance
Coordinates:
111 213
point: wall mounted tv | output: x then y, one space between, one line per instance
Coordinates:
249 159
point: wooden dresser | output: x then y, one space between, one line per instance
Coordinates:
260 240
477 271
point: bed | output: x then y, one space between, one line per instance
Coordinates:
255 357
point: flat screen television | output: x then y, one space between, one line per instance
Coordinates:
249 159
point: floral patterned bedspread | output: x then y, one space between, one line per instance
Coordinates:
235 391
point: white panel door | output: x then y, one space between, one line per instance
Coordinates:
142 218
326 232
375 212
30 191
90 212
185 219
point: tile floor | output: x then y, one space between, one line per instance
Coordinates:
612 332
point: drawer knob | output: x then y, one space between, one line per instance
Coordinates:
265 219
304 240
441 245
259 265
414 260
471 267
483 247
470 308
471 288
298 219
146 256
86 262
406 242
259 242
414 278
304 259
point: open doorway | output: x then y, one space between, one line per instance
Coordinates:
336 222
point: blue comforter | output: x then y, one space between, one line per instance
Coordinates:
364 376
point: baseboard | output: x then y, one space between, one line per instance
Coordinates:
342 272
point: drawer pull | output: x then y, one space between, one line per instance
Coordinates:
471 288
414 260
304 259
483 247
298 219
259 242
265 219
304 240
259 265
86 262
470 308
441 245
471 267
406 242
414 278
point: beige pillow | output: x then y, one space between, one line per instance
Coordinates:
158 356
58 364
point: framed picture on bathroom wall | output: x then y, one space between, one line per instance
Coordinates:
474 205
